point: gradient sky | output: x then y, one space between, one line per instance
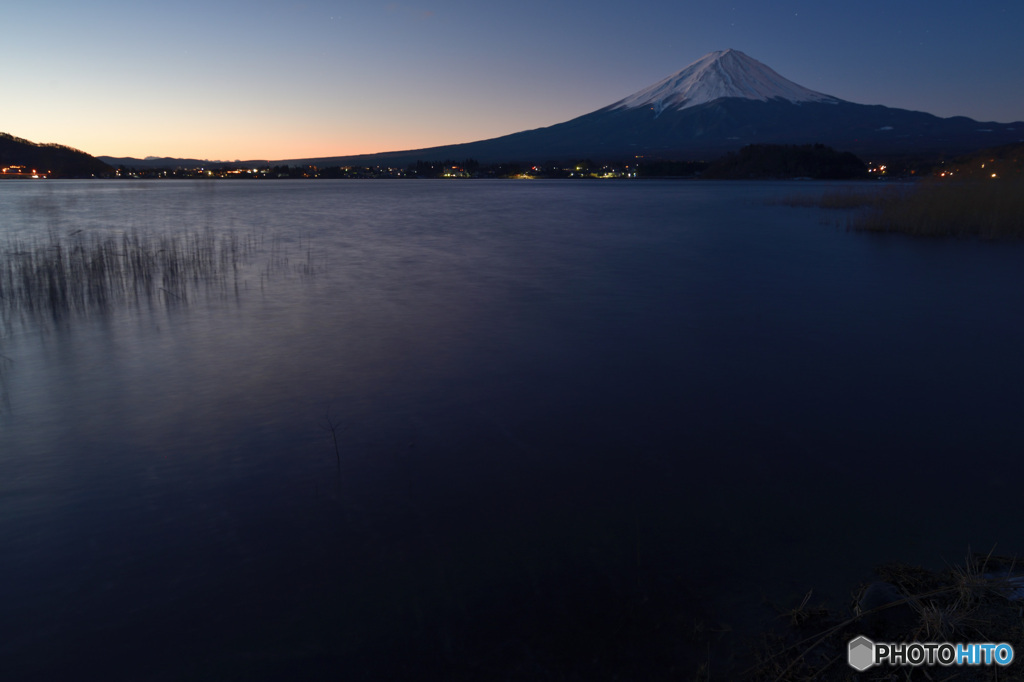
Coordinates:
226 80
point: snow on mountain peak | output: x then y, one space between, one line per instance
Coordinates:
725 73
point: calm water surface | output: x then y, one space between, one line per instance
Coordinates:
573 419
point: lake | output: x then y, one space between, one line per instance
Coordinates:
487 429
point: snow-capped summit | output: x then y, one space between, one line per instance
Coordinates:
725 73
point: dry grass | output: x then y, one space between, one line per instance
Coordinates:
79 273
973 602
984 208
84 273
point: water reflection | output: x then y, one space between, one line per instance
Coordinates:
569 409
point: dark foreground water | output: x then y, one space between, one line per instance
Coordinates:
586 430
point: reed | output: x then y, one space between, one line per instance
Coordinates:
79 273
332 423
987 208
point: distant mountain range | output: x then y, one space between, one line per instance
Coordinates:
720 103
22 158
172 162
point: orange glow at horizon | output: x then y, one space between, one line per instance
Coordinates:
224 138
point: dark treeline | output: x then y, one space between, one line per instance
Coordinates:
671 169
462 168
470 168
787 161
754 161
20 158
757 161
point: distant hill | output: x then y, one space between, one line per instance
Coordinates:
21 157
1006 161
166 162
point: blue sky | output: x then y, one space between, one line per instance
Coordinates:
221 79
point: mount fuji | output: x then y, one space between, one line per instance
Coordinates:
723 101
